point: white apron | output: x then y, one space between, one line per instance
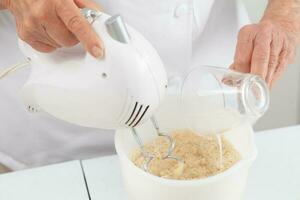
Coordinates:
185 33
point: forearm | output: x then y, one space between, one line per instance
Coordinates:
287 14
2 7
4 4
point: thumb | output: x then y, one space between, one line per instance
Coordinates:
88 4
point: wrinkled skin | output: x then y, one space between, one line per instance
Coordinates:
50 24
264 49
267 48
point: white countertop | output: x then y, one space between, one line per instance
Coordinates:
56 182
275 175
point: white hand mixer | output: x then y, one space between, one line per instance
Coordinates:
123 89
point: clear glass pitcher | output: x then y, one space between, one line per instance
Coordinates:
213 100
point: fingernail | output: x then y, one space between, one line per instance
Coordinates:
97 52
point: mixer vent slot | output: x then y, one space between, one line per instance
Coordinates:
136 103
135 116
141 116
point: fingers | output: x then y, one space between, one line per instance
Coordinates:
88 4
42 47
47 25
263 49
261 54
42 36
35 39
279 71
244 49
57 30
283 61
291 54
276 48
79 26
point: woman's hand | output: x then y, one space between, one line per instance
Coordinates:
264 49
50 24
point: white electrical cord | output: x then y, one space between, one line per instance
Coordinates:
12 69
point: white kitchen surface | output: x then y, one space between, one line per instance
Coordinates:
56 182
275 175
103 177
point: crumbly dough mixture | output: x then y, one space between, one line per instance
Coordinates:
201 155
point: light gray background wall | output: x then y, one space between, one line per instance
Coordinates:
285 96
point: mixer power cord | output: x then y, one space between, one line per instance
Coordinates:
9 70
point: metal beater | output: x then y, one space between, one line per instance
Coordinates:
149 157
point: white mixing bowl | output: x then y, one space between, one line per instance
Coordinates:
228 185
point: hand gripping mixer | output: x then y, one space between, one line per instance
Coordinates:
121 90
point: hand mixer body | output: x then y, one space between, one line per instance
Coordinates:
122 89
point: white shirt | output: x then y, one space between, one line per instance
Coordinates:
186 33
